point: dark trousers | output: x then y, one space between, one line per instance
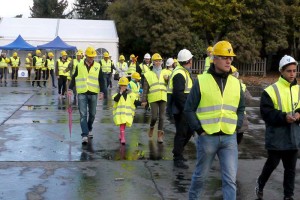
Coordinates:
52 77
62 84
3 73
45 75
106 83
14 73
182 136
158 107
37 76
289 160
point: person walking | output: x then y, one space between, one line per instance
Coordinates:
215 109
28 65
179 86
107 68
3 67
145 67
89 81
124 107
49 64
121 68
61 73
37 66
208 59
155 92
280 109
132 66
134 85
15 63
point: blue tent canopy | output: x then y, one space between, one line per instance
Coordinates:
18 44
57 44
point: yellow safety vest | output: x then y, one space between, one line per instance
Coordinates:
131 68
38 62
123 111
75 63
50 63
106 66
208 61
87 80
43 65
121 66
14 61
145 68
135 88
3 62
217 112
284 97
157 87
188 80
62 66
28 63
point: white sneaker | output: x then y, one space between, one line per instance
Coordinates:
90 135
84 140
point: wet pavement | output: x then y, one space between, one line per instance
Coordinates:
40 160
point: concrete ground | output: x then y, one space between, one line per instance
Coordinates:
40 160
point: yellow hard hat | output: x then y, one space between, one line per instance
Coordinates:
15 54
121 57
136 76
233 69
29 54
63 53
156 56
123 81
223 48
175 60
78 53
50 54
106 54
132 56
209 49
38 51
90 52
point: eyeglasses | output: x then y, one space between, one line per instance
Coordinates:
224 57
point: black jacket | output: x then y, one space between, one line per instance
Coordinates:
194 98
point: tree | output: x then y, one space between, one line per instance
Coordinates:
152 26
49 9
91 9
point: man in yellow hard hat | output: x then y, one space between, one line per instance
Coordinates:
28 64
215 110
89 82
132 65
15 63
50 65
107 67
37 66
208 59
61 74
3 67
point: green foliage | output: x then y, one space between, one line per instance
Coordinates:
91 9
49 9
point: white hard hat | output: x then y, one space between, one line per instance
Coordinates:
184 55
286 60
147 56
169 62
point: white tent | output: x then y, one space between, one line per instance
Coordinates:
100 34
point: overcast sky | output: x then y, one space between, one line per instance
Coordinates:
11 8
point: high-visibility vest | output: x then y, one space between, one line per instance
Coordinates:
75 63
50 63
188 80
87 80
3 62
217 112
208 61
157 87
38 62
123 111
135 88
131 68
62 66
284 97
14 61
28 62
106 66
43 65
121 66
144 67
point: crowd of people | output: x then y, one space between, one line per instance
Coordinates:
212 105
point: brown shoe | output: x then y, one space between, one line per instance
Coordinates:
160 135
150 132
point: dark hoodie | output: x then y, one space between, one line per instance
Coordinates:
194 98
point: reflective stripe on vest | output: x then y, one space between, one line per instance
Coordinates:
157 87
217 112
188 80
15 62
131 68
106 66
123 111
284 97
87 80
50 64
62 66
38 62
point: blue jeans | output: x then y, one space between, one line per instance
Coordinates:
225 146
87 103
